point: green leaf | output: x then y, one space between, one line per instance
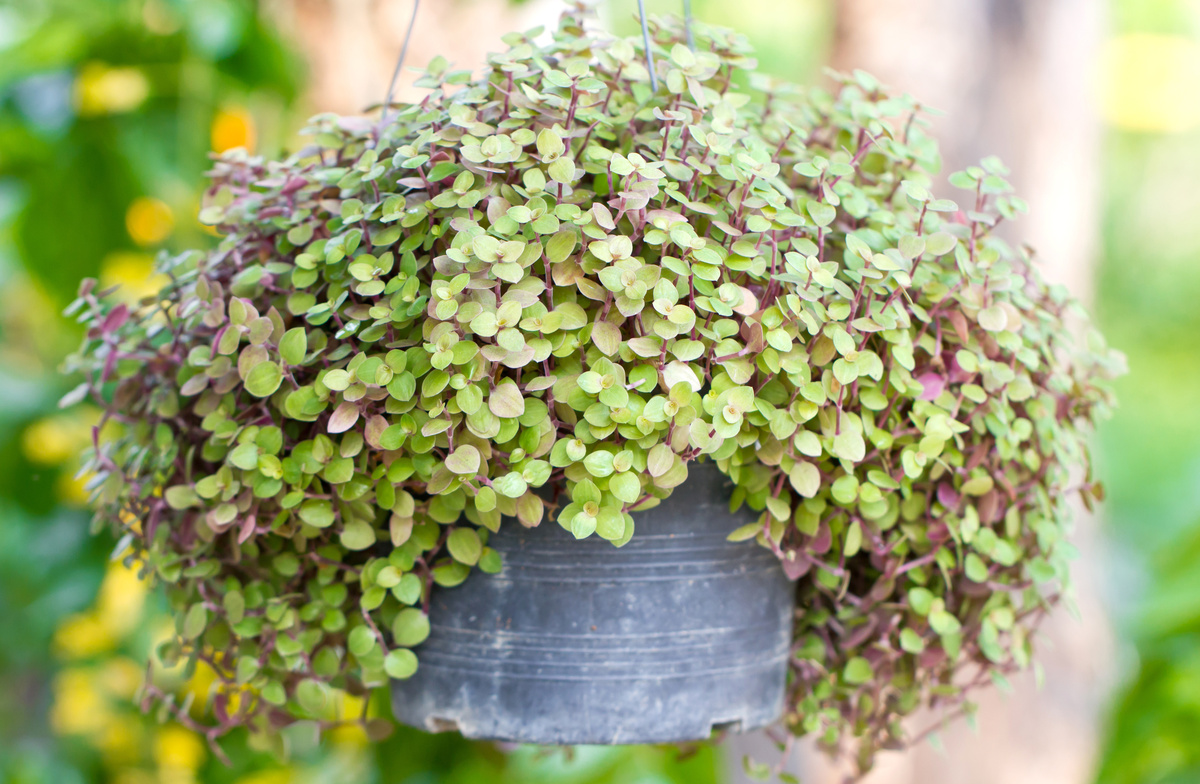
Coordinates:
245 456
194 622
294 345
469 398
606 336
849 445
337 380
660 460
408 590
583 525
411 627
312 695
362 641
549 145
911 641
625 486
858 671
263 379
357 535
465 460
920 600
511 485
940 244
610 523
560 247
339 470
317 513
181 496
747 531
845 489
464 545
805 478
854 538
943 622
822 214
450 574
975 569
400 664
505 400
993 319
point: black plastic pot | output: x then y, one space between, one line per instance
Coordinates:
676 634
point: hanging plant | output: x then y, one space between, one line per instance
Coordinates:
538 298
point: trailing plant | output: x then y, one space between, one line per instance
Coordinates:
535 298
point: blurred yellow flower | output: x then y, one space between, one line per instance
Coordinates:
117 611
82 635
233 127
133 272
79 708
349 736
121 676
236 694
1150 83
352 706
149 220
200 686
72 490
178 748
102 89
54 439
122 597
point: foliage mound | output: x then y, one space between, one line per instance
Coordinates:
554 283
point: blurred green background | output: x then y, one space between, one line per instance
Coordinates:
108 109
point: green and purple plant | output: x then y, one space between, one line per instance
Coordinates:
535 298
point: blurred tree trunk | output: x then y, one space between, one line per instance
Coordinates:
352 45
1012 78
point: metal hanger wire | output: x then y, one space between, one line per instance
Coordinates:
387 101
412 23
687 28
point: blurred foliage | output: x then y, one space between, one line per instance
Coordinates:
107 111
1148 284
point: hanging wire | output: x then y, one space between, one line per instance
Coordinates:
646 45
687 24
387 101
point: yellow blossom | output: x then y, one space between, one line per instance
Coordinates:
79 708
54 439
72 489
102 89
233 127
149 221
121 676
349 736
83 635
133 273
200 686
122 597
178 748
